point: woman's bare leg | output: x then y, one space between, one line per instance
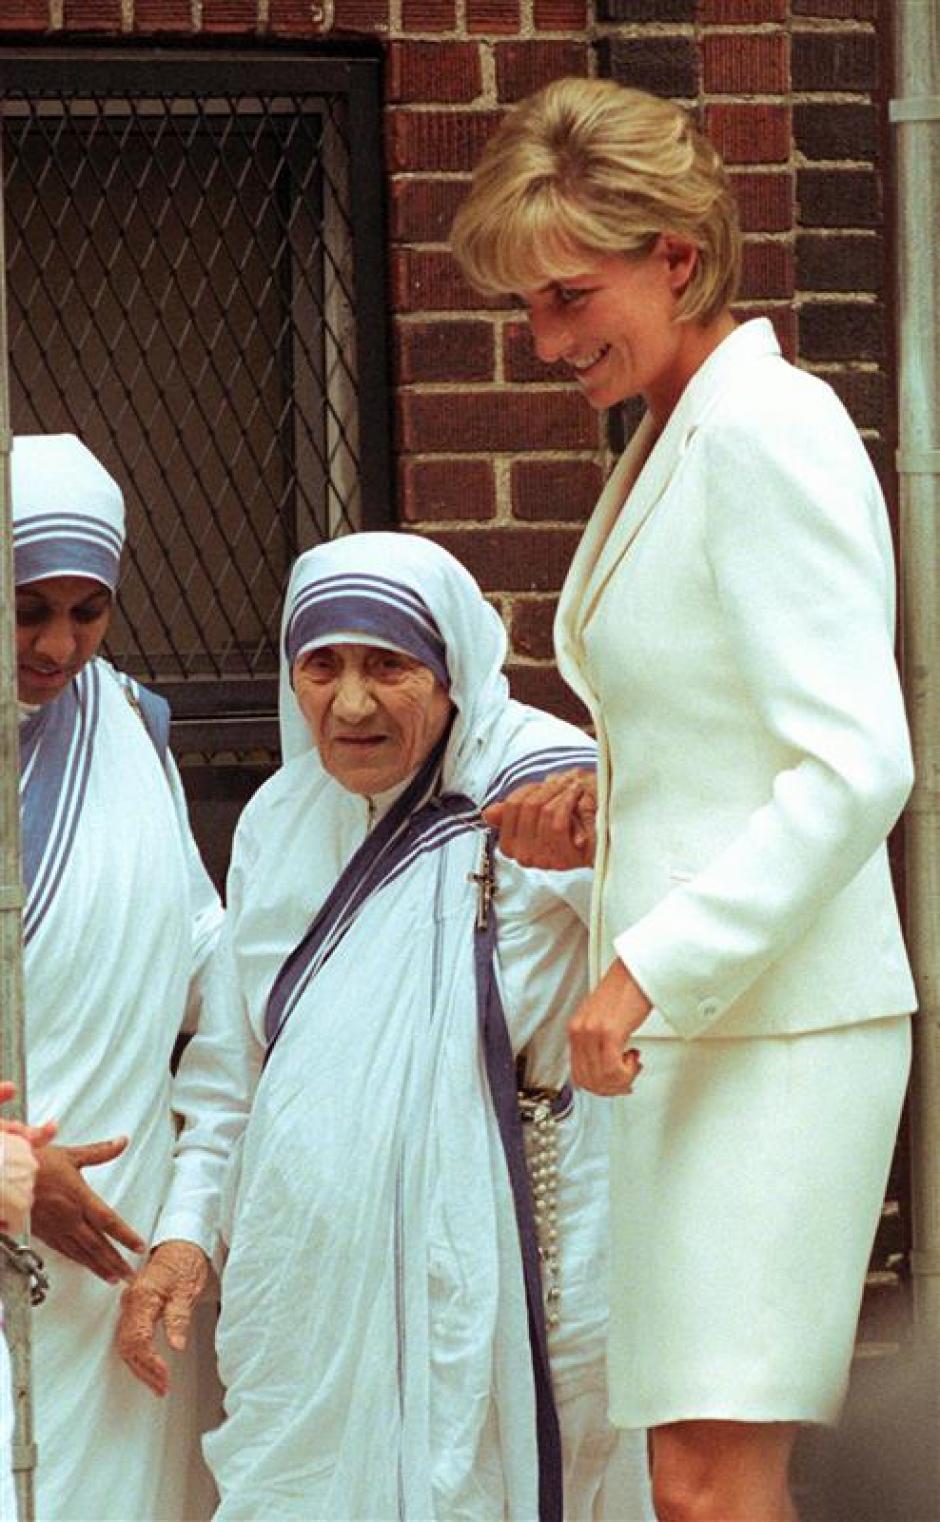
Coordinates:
713 1471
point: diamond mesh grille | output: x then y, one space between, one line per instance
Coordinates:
180 272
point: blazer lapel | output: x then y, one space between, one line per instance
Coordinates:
650 464
581 572
645 469
636 484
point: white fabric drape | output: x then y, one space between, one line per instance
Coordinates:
373 1336
108 976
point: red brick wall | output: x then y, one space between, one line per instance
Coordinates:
498 457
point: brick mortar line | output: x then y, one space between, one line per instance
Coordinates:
641 29
833 97
502 466
489 88
745 29
830 166
840 232
845 26
803 298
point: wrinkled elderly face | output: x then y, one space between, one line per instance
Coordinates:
60 623
374 714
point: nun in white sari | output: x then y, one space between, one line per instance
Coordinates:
119 918
389 1345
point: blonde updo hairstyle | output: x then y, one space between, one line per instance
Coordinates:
585 168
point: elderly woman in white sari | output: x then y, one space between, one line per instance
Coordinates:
409 1328
119 918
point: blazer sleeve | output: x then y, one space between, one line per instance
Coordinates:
798 546
213 1090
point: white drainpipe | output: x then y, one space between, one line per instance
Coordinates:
916 117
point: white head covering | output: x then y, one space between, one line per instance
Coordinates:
68 512
412 594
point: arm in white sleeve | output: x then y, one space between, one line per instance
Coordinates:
799 550
206 906
213 1090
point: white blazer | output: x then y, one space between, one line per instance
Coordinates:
730 628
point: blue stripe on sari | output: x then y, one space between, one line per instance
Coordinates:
538 765
501 1076
56 750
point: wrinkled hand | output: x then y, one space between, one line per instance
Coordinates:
166 1289
599 1030
18 1169
549 824
70 1217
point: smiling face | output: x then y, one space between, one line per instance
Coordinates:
374 714
60 623
614 324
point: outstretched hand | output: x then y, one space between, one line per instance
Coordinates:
69 1216
549 824
166 1289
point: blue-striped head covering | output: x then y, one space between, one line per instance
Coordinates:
68 513
364 606
404 591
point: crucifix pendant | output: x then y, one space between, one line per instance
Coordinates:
486 884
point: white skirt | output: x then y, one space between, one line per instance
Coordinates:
747 1180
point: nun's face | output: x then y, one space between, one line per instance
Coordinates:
374 714
60 623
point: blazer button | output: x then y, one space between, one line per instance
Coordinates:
708 1008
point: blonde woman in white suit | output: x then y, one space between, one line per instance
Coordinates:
728 621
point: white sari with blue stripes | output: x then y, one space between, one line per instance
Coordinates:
375 1338
119 918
